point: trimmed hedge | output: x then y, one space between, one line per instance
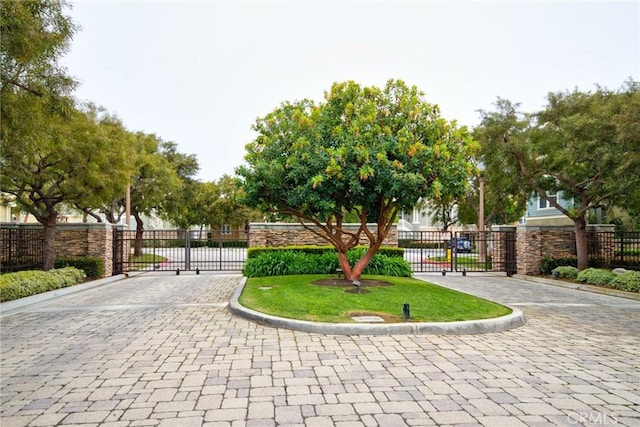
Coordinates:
26 283
255 251
565 272
288 262
627 281
596 276
93 267
548 264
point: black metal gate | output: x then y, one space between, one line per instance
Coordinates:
463 251
179 250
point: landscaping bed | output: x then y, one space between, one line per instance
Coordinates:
628 281
26 283
298 297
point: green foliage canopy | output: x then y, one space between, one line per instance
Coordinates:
364 150
35 34
584 145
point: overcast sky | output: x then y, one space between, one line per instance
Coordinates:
200 72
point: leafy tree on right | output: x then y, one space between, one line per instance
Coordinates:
585 145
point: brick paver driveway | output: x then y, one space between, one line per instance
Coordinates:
163 350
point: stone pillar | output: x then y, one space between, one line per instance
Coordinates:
87 239
535 242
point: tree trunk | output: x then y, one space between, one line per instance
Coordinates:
582 249
344 264
353 274
137 246
49 250
364 261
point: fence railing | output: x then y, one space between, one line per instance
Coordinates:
173 250
21 249
613 249
459 251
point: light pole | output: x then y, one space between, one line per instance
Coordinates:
482 253
128 206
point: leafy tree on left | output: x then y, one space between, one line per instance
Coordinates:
53 153
69 159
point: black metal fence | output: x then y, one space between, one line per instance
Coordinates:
619 249
176 250
430 251
21 249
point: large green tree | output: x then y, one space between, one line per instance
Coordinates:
211 204
35 35
229 207
582 145
158 179
505 198
72 158
34 91
107 196
364 150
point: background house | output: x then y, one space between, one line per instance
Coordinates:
421 218
540 212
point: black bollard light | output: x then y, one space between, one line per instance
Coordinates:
178 272
464 272
444 272
405 311
197 271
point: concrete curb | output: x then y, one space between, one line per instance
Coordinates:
579 287
10 307
467 327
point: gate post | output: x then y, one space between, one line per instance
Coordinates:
187 250
503 249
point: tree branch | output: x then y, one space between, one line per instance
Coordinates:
24 87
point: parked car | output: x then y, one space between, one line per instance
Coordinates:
460 245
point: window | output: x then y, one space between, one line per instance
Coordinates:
225 229
544 203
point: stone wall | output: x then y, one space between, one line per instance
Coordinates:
90 239
535 242
287 234
77 240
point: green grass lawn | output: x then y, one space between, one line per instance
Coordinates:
297 297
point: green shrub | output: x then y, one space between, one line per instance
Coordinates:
93 267
548 264
259 250
26 283
627 281
596 276
598 262
566 272
384 265
289 262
